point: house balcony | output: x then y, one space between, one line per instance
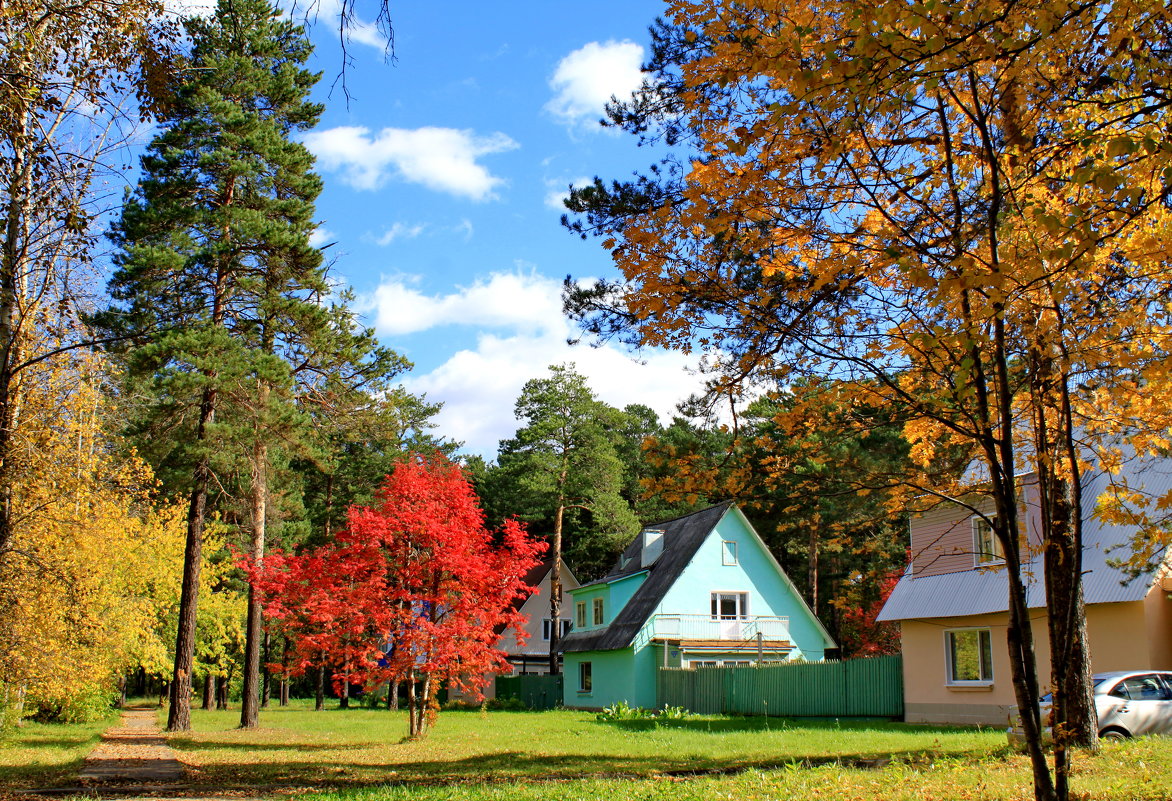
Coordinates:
681 628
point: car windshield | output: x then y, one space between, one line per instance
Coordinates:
1099 681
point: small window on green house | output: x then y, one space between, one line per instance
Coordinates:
597 611
730 552
580 614
585 679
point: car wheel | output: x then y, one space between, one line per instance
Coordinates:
1113 735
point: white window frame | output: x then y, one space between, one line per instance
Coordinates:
585 677
983 529
984 644
546 628
597 613
714 601
728 553
580 614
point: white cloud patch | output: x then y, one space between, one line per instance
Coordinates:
442 159
320 236
400 231
557 191
587 78
523 332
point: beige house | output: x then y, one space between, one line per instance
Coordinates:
533 656
951 606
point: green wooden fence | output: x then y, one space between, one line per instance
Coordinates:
857 687
535 691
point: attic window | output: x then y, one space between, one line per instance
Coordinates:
652 547
986 546
728 552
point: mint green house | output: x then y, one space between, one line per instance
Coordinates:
699 590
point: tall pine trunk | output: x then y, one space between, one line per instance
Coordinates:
179 716
249 706
555 591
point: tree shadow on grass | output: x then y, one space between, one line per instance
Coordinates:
509 766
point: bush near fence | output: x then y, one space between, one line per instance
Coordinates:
533 690
854 688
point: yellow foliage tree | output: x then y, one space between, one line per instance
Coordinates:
92 566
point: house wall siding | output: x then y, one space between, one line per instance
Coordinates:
1158 608
536 609
942 537
1118 636
613 679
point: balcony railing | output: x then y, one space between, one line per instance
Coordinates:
706 627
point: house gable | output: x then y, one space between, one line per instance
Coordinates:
756 574
683 578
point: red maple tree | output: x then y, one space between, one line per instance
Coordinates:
414 589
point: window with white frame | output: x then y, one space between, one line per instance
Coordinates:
730 605
597 607
969 653
585 677
986 546
728 552
580 614
546 628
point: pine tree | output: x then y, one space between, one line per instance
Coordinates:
215 263
563 458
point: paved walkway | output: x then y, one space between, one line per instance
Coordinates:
132 752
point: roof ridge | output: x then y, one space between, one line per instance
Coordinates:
725 504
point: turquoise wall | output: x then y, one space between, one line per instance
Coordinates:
621 675
621 592
614 597
613 678
769 593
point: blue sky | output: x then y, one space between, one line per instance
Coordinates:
443 176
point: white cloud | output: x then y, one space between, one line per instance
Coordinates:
357 29
557 191
443 159
523 332
306 12
587 78
505 300
320 236
400 231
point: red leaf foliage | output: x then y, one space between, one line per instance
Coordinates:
416 586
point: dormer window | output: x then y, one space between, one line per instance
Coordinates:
597 618
652 547
986 546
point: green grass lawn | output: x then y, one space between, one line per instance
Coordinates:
45 754
299 747
361 755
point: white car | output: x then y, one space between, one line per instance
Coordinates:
1128 703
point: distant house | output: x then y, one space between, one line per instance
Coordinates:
533 656
699 590
952 605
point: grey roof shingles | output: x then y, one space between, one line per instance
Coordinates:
986 590
681 538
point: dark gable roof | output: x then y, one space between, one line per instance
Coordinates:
681 538
984 591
